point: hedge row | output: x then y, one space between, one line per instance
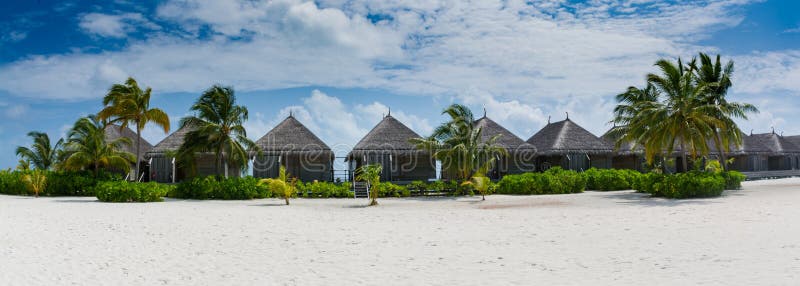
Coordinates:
693 184
553 181
57 183
205 188
124 191
109 187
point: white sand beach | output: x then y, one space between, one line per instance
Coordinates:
747 237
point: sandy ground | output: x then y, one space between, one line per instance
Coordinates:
747 237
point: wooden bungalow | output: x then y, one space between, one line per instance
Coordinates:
783 153
795 140
113 132
388 144
292 145
521 155
570 146
627 155
751 156
164 168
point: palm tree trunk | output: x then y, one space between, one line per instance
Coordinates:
138 141
96 168
287 200
683 157
723 160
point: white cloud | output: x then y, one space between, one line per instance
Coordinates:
13 36
792 30
15 111
373 113
510 49
114 26
762 72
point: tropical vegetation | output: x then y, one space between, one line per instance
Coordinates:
458 144
124 191
372 175
283 186
88 148
42 154
217 128
683 107
127 104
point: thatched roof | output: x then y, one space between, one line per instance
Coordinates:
795 140
291 137
625 149
173 142
113 132
778 145
565 137
750 146
507 140
390 135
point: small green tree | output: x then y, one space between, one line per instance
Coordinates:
283 186
36 181
372 175
480 183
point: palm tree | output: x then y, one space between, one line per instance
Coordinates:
128 104
35 181
218 128
283 186
671 111
43 155
718 80
87 147
479 182
372 175
457 144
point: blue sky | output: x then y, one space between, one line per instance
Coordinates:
340 65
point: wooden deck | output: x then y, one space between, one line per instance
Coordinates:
771 174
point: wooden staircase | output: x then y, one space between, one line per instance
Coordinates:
360 190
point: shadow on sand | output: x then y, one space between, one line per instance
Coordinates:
78 200
631 198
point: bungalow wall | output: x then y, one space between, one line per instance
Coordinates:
574 161
630 162
161 169
779 163
399 167
304 167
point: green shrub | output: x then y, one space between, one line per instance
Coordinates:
124 191
610 179
417 186
205 188
58 183
386 189
693 184
436 186
733 180
324 190
11 183
553 181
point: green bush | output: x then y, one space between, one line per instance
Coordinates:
693 184
417 186
124 191
733 180
611 179
11 183
386 189
214 188
324 190
58 183
553 181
